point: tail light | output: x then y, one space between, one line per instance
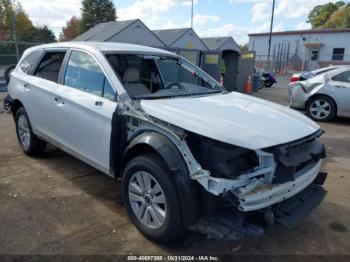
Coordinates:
294 79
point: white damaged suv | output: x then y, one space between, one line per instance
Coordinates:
189 153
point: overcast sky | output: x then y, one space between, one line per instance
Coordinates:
236 18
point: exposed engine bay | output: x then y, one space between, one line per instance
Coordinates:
236 180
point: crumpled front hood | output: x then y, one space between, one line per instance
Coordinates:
233 118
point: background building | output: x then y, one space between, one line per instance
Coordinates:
229 53
211 54
303 49
183 41
128 31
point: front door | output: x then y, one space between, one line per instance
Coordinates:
85 104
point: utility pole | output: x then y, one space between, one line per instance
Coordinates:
192 14
14 27
271 25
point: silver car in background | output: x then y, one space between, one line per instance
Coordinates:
324 96
303 76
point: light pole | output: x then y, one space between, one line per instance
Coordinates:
270 36
14 27
192 14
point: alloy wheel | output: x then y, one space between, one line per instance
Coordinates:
23 131
147 200
320 109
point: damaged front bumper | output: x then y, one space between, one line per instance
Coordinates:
283 171
285 187
266 195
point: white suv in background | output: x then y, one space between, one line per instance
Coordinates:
189 153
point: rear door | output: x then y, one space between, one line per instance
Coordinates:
85 103
341 85
40 90
21 82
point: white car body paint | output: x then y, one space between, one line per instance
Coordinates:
233 118
70 119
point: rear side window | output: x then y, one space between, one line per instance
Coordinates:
342 77
50 65
84 73
29 62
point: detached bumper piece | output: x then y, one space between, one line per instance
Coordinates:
293 156
225 225
294 209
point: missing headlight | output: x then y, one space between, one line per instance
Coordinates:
222 159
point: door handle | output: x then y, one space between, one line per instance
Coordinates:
98 103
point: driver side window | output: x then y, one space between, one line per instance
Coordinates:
139 75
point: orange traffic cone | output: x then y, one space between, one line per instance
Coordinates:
248 86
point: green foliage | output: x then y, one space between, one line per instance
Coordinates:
340 18
320 14
5 19
43 35
25 30
94 12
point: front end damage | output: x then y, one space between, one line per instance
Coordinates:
281 182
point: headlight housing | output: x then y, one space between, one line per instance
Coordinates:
221 159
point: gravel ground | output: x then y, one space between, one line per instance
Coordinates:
56 204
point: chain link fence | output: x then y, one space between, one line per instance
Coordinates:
10 53
286 62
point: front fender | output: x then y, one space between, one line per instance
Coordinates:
186 188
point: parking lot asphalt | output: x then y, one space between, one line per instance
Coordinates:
56 204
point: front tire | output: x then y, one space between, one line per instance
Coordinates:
321 108
150 196
29 142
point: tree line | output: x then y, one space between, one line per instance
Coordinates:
330 15
93 12
13 15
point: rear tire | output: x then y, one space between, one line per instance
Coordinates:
321 108
29 142
151 199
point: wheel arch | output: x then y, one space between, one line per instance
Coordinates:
154 142
15 105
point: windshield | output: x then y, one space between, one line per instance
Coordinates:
151 76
